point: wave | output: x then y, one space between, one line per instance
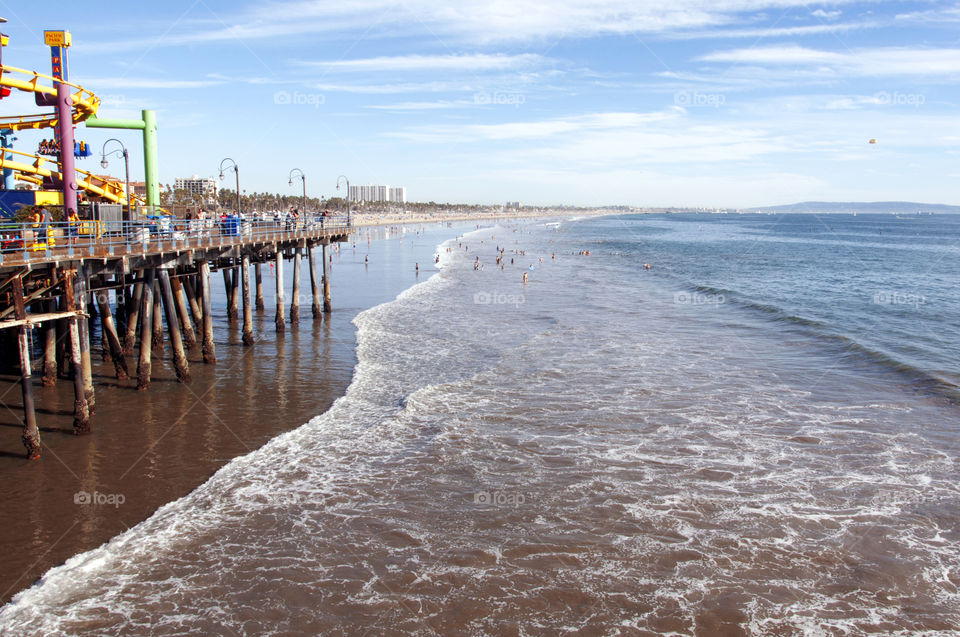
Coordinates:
923 380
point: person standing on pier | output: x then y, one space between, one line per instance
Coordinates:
41 220
73 224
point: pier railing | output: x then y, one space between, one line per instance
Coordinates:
32 243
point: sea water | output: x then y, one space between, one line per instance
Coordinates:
756 435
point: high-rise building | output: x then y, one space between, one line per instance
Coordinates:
398 194
372 193
207 187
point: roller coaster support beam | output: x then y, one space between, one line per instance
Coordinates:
9 179
150 162
65 133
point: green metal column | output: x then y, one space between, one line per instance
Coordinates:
150 159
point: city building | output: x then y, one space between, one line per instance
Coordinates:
207 187
372 193
513 205
139 188
398 194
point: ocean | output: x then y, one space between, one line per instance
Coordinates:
756 435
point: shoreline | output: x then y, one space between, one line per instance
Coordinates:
181 435
396 220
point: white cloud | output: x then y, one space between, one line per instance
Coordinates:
418 106
146 83
474 21
395 88
875 62
826 15
477 62
774 32
531 130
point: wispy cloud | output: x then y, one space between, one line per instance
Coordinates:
475 62
874 62
420 106
148 83
481 21
538 129
396 88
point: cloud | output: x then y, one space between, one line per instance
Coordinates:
826 15
773 32
875 62
471 21
395 88
147 83
536 130
476 62
418 106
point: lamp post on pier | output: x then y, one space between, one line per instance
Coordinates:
347 198
236 169
303 178
126 167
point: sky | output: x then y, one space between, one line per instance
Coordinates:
729 103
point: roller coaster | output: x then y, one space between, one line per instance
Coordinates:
37 169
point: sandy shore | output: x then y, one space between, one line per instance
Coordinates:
150 448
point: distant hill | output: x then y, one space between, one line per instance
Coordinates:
876 207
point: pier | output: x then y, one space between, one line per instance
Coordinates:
144 281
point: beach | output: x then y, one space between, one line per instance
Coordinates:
150 448
541 435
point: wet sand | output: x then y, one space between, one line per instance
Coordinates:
150 448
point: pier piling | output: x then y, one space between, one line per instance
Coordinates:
49 328
325 282
195 309
86 366
295 293
173 328
146 330
157 337
81 408
157 280
189 335
280 321
247 309
314 288
133 317
110 336
228 288
209 353
259 277
31 433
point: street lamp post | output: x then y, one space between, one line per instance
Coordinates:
236 169
303 178
347 197
126 166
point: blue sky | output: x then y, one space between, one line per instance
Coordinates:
658 102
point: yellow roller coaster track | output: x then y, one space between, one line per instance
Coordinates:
35 170
32 170
85 103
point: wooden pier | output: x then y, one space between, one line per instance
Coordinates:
160 284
